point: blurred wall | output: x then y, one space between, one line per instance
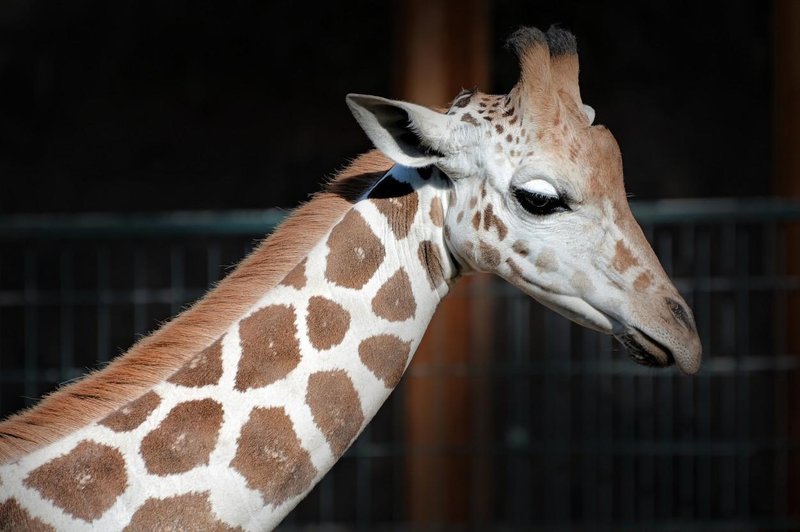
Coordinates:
157 105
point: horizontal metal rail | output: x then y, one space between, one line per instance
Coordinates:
252 222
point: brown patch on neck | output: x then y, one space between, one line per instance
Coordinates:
397 201
15 517
356 253
270 457
395 299
204 369
270 348
191 511
133 414
297 277
327 322
386 356
334 403
431 260
159 355
84 482
436 212
623 258
184 440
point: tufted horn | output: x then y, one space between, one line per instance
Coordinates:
548 70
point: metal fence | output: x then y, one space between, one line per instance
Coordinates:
563 432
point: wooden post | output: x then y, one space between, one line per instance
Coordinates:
786 181
442 47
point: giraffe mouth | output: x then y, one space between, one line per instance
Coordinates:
646 350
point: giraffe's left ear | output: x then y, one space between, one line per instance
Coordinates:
409 134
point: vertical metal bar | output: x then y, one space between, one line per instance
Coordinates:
103 298
364 480
30 386
139 290
665 430
67 325
213 259
743 390
774 267
520 458
177 278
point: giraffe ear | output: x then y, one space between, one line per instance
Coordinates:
409 134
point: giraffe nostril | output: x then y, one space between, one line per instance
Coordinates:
680 313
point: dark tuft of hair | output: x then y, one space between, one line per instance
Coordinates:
561 42
525 38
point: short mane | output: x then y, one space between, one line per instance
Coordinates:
155 357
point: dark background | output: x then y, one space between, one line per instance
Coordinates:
177 105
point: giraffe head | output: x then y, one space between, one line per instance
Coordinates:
537 197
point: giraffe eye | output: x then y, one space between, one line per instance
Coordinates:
538 203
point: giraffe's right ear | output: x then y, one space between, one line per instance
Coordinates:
409 134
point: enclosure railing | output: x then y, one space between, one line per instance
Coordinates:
576 436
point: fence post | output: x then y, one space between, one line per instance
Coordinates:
786 114
442 47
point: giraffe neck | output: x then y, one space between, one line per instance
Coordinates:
246 428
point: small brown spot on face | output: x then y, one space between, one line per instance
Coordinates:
203 369
270 458
398 202
15 517
431 261
520 248
336 408
460 217
476 220
184 440
297 277
355 252
643 282
490 220
546 261
483 190
132 414
582 283
623 258
270 348
395 299
499 129
489 256
386 356
84 482
473 201
327 322
509 138
469 119
191 511
513 120
436 212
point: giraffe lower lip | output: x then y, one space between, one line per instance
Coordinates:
655 354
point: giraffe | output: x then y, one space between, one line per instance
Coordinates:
225 418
